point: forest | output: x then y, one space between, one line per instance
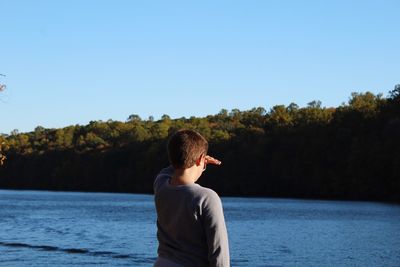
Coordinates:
347 152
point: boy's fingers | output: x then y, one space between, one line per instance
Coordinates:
211 160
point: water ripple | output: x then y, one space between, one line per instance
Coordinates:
77 251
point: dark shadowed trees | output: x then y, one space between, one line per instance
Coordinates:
348 152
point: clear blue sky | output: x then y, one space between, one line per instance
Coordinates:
70 62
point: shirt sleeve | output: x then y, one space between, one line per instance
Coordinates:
162 177
216 233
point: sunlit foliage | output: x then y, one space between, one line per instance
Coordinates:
347 152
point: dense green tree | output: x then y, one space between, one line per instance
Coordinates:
280 116
2 157
134 118
348 152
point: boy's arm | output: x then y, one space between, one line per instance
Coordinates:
164 175
216 233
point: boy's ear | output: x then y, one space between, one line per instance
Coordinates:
199 160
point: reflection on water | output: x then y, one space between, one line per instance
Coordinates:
91 229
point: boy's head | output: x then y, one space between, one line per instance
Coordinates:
185 148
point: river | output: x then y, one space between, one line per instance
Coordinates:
41 228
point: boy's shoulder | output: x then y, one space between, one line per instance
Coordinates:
207 194
207 191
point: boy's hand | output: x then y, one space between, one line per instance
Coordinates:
211 160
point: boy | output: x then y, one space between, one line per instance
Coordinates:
190 221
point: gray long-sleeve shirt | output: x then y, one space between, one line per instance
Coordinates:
190 222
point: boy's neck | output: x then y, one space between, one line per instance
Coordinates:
184 177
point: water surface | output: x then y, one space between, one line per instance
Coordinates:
40 228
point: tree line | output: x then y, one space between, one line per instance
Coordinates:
347 152
2 156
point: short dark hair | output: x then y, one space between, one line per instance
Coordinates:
185 147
